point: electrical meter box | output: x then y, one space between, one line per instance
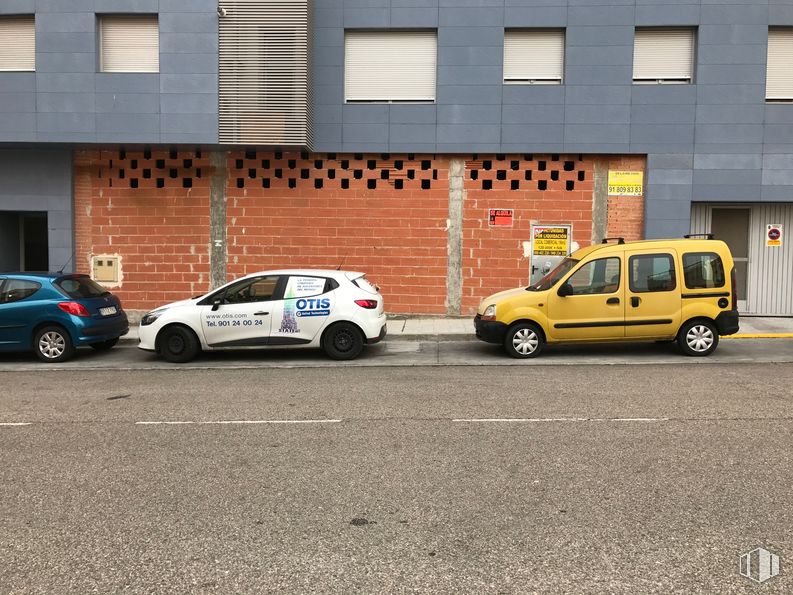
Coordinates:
105 269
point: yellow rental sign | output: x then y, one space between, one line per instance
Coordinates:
626 183
551 241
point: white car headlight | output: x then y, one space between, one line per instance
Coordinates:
490 313
150 317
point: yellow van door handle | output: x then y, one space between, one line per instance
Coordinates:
613 301
635 301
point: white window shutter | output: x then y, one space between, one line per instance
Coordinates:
18 43
779 79
661 55
390 65
534 56
130 43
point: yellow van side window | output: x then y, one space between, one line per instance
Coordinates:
703 270
651 272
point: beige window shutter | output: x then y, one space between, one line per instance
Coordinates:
18 43
779 78
390 65
130 43
534 56
663 55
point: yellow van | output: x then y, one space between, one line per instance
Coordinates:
657 290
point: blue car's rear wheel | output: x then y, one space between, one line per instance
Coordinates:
52 344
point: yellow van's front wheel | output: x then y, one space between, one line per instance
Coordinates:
698 337
524 340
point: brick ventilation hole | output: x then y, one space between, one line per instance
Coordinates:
525 172
149 169
331 171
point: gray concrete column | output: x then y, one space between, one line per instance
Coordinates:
218 253
454 274
600 201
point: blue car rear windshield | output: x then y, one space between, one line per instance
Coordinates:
80 287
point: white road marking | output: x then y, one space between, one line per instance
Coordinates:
15 423
240 422
558 419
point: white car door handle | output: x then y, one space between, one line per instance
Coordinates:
261 313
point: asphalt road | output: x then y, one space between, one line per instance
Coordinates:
615 478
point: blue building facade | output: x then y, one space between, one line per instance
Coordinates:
714 140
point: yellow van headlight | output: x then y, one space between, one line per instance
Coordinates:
490 313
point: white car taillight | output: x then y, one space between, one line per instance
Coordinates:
368 304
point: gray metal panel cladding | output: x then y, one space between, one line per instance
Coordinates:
264 55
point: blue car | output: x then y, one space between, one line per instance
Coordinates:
53 314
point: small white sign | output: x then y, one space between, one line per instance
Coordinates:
773 235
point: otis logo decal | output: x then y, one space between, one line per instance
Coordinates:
313 307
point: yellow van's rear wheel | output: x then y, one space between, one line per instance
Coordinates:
524 340
698 338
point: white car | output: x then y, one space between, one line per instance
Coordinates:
339 311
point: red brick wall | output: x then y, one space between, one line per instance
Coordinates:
394 232
160 233
626 213
540 188
385 215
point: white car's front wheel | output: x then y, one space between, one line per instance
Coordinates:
178 344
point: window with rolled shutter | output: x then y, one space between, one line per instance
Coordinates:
779 77
663 56
17 43
534 56
390 66
129 43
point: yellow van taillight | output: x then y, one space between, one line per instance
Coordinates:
733 285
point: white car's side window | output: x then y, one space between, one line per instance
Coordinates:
303 287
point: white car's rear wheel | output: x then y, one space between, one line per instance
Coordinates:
342 341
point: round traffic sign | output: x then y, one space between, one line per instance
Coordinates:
774 233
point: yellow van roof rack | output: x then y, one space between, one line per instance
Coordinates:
618 240
707 236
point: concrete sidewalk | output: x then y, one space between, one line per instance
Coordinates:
459 328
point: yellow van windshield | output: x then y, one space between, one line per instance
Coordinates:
553 277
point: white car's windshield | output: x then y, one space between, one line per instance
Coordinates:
553 277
